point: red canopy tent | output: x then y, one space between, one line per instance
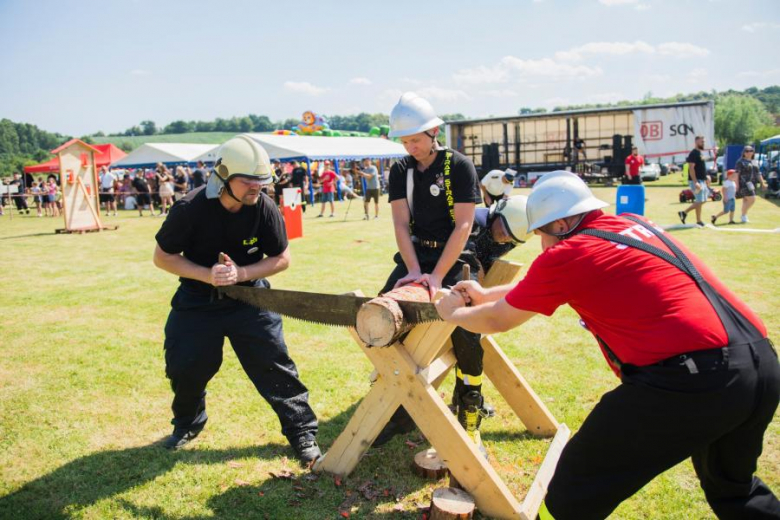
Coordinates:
108 154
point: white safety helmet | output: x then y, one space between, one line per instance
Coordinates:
557 195
412 115
512 213
242 156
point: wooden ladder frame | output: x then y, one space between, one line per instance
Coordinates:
408 374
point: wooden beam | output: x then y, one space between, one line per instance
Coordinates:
516 390
458 451
364 426
439 368
537 492
502 273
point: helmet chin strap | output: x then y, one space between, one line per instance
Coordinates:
228 190
434 143
571 230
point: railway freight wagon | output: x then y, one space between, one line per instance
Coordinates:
592 142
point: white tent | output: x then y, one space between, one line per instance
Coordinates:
302 147
149 154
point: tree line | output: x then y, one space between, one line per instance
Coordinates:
740 117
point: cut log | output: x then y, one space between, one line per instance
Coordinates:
427 464
451 503
380 321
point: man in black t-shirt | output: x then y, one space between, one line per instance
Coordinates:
300 180
697 181
432 228
231 218
143 196
199 176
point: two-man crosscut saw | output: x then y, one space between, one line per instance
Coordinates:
331 309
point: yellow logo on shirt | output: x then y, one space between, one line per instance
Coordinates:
251 241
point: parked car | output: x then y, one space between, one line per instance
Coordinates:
650 172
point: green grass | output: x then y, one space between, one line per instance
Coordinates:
191 137
83 395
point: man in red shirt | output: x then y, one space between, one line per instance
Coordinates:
328 179
633 163
699 377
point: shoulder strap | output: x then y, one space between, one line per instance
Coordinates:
410 190
448 185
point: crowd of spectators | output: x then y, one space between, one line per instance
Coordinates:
157 189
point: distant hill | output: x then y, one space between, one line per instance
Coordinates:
129 144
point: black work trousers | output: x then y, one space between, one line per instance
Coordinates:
468 350
661 415
194 334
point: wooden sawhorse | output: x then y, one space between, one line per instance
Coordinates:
408 374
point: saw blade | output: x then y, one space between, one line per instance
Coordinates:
330 309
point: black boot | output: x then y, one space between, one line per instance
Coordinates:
470 415
306 449
180 437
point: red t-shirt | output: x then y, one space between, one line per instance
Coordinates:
644 308
328 180
634 163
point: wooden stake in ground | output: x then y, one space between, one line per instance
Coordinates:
450 504
380 322
427 464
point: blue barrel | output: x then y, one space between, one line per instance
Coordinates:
630 199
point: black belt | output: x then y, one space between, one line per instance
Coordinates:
431 244
713 359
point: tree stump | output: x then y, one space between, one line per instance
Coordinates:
380 321
451 503
427 464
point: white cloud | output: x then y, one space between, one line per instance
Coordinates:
759 73
499 93
610 3
756 26
481 74
606 97
676 49
360 81
682 50
443 94
304 87
513 68
556 101
392 94
659 78
410 81
642 7
696 75
139 72
609 48
548 68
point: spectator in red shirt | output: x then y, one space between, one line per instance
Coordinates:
699 377
328 181
634 163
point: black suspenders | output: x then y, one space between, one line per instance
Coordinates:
738 328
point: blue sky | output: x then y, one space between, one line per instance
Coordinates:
77 67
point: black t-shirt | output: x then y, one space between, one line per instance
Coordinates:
698 164
140 184
298 175
198 178
201 228
431 219
178 181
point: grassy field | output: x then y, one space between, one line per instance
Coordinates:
84 399
191 137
